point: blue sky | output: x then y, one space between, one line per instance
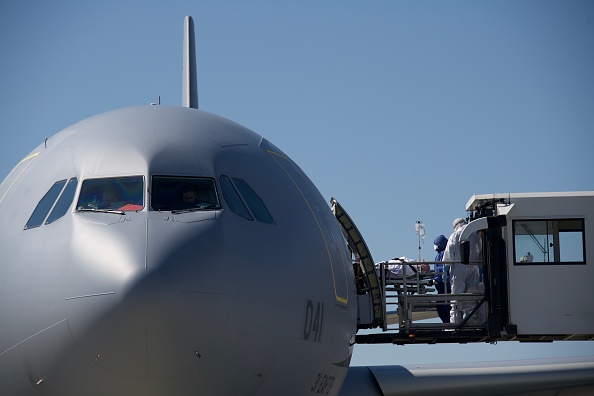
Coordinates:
400 110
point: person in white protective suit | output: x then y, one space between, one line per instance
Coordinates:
464 278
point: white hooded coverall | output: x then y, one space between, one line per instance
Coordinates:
464 278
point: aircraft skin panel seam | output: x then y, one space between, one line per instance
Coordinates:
336 296
89 295
19 175
30 337
146 241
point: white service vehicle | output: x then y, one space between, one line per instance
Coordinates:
541 261
534 262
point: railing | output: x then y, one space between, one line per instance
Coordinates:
408 303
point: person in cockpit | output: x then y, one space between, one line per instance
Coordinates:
195 199
189 196
108 198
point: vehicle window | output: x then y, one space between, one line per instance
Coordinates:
233 199
64 202
254 202
113 193
549 241
173 193
45 205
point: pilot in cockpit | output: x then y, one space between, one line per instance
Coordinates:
108 198
189 196
195 198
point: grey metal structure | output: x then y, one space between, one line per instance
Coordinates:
161 250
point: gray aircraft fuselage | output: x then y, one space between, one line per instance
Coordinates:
145 299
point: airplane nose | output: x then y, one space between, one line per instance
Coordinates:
145 327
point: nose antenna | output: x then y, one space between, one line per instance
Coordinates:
189 82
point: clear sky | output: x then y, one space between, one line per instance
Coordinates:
401 110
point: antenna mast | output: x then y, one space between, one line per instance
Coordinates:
420 229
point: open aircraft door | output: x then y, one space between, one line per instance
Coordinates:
369 297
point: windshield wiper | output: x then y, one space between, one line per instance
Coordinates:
193 209
113 211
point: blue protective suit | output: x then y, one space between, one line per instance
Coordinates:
443 310
441 242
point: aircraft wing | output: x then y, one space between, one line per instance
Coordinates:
558 376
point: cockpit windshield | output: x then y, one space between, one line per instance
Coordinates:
178 193
114 193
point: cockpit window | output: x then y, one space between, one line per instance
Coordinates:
113 193
45 205
233 199
179 193
64 201
254 201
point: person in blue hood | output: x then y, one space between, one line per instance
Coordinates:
443 310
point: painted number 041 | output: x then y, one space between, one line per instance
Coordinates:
314 319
